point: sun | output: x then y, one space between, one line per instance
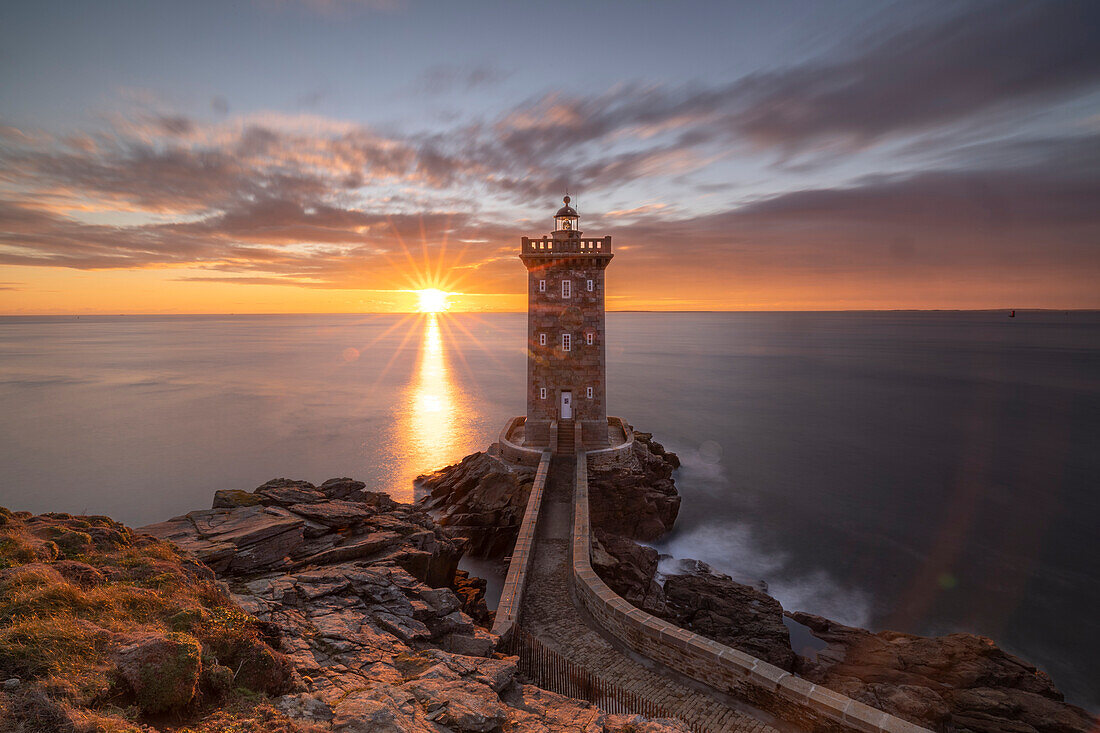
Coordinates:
433 300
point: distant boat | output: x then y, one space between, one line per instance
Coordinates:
1012 314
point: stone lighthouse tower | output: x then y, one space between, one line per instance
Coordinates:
566 377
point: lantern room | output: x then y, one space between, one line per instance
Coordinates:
566 221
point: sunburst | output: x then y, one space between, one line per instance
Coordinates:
433 300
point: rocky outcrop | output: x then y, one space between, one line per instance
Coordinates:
353 589
482 500
629 569
953 682
957 682
471 591
638 501
698 600
637 498
731 613
287 524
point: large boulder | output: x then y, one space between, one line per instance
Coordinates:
162 670
482 499
629 569
636 498
733 614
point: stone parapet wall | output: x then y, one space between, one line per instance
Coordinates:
721 667
514 453
605 458
512 596
572 245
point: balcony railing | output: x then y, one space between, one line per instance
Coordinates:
551 246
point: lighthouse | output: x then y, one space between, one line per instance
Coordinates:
566 350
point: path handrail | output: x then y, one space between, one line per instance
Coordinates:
512 596
724 668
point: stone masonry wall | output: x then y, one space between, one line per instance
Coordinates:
548 365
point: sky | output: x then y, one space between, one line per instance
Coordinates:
275 156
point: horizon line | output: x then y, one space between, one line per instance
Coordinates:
521 312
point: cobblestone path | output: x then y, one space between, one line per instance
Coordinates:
548 612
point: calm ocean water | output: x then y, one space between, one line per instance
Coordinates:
930 472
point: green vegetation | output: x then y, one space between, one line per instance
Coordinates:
109 631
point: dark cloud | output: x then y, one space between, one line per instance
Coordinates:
1001 219
174 124
982 224
178 171
977 59
987 56
980 58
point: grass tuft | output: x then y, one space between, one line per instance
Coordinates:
75 590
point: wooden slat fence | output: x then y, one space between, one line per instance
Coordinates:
548 669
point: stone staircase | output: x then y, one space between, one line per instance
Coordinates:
566 438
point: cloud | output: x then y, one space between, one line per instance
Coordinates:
956 67
317 202
988 56
300 229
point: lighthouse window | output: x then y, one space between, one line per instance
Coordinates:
589 393
566 341
590 286
566 288
590 338
542 286
542 393
542 339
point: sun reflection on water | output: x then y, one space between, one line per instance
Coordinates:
428 426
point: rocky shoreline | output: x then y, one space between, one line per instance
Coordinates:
958 682
356 621
304 608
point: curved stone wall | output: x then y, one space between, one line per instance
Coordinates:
529 456
608 457
725 669
514 453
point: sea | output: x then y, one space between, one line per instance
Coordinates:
928 472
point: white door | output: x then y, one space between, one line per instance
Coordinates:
566 405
